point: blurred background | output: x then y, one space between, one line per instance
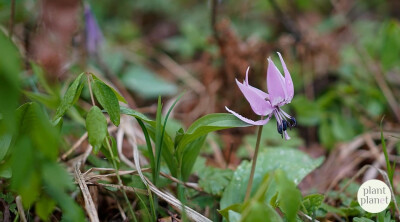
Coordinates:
343 56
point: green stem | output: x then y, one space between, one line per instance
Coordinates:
120 181
253 166
181 194
90 88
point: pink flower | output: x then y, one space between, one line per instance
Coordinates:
280 92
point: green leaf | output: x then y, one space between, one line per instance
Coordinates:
293 162
168 144
70 97
55 175
32 121
48 100
234 216
44 207
362 219
147 83
214 180
10 69
39 72
106 152
136 114
207 124
5 141
308 112
289 197
158 142
107 99
24 180
96 126
119 97
390 49
190 154
260 212
312 202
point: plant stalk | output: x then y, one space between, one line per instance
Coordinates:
90 89
120 181
253 166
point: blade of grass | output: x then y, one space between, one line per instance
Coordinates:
153 205
160 135
120 181
158 141
389 168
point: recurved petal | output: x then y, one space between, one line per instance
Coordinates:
259 92
288 81
246 82
249 121
257 102
276 84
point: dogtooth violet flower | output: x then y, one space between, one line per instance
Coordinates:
280 93
94 37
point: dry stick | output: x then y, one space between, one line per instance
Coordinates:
20 209
121 211
89 204
6 212
12 15
286 21
166 196
89 178
75 146
377 72
177 70
214 12
253 166
80 141
119 180
121 187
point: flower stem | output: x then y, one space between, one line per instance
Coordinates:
253 166
90 88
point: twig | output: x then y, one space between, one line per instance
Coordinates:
121 211
217 153
20 209
80 141
6 211
89 204
377 73
285 20
75 146
166 196
214 13
12 15
121 187
177 70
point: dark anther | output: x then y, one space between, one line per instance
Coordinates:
279 128
284 125
293 122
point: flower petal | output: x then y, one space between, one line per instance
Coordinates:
288 81
258 103
276 85
259 92
249 121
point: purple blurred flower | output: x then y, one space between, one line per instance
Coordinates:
280 91
94 37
